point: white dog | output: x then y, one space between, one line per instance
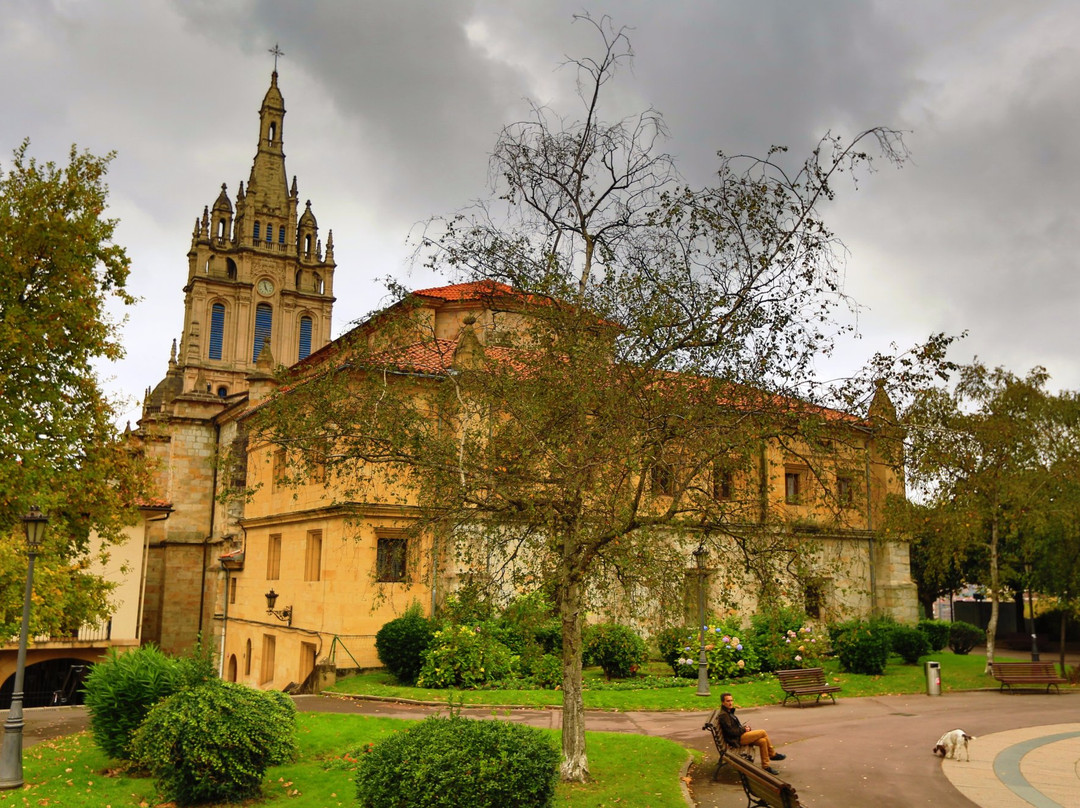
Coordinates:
948 745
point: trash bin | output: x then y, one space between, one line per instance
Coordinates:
933 678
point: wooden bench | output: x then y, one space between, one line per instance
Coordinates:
1026 673
725 750
805 682
763 789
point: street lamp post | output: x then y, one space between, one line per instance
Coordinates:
11 769
1031 615
701 556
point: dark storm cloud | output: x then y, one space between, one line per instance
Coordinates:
394 108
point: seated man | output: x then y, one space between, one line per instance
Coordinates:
737 734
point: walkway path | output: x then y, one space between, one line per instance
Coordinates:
854 754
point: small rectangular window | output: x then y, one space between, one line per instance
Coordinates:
269 651
662 479
390 560
313 556
264 328
845 492
232 589
723 484
273 557
280 468
792 487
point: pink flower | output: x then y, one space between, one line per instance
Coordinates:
798 658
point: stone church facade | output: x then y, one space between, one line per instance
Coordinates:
259 294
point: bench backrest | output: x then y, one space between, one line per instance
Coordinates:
801 676
767 787
1025 668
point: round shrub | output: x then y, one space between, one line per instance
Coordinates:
861 647
729 651
401 644
936 631
617 649
964 636
670 645
120 692
771 641
214 742
451 762
464 656
909 643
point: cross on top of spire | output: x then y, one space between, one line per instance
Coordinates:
277 52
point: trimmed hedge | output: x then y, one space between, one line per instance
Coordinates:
909 643
121 690
617 649
862 647
964 636
936 631
454 762
401 644
214 742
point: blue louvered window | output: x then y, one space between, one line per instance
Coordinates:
217 329
281 235
269 232
256 231
264 323
305 337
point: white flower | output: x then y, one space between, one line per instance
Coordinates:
798 658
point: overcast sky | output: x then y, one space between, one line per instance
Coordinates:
393 108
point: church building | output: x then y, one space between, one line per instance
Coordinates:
287 580
258 279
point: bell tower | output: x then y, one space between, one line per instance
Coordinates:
256 271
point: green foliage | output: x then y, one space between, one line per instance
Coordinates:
936 631
464 656
401 644
214 742
964 636
452 762
617 649
861 646
784 638
910 643
120 692
60 274
670 644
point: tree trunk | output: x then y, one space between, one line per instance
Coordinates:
575 764
995 595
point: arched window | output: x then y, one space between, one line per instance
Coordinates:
217 329
281 235
230 268
256 231
317 278
299 279
264 323
269 232
305 337
272 133
247 658
221 228
307 246
222 391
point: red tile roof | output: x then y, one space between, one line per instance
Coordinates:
477 290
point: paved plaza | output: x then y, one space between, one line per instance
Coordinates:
861 752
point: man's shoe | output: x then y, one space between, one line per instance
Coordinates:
778 756
771 770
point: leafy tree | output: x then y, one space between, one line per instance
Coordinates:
648 340
979 456
59 271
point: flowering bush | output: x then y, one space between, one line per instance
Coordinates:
728 654
802 648
464 656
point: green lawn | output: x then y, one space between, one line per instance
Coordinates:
628 770
957 673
